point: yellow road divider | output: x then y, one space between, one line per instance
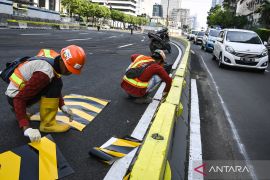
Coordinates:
152 160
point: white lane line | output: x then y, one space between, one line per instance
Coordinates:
177 61
234 130
111 37
120 167
195 143
125 45
40 34
143 38
85 39
192 51
266 71
83 33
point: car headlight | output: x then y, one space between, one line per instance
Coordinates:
229 49
264 53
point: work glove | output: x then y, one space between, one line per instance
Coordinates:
33 134
68 112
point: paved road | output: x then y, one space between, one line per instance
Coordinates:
107 59
246 95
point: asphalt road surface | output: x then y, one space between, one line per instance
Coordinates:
246 95
108 55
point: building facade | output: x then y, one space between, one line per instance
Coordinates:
216 2
157 10
169 5
145 7
43 9
126 6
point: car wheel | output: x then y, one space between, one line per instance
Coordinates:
220 64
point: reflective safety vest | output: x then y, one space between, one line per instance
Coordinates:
17 78
138 62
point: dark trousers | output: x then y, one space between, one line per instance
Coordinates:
53 90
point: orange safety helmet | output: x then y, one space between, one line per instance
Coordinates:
74 58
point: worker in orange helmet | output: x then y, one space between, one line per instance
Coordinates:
39 79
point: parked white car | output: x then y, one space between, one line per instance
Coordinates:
242 48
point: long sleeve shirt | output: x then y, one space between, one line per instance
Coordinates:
149 72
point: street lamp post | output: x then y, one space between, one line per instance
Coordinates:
167 20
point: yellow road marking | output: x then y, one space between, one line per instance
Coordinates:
10 164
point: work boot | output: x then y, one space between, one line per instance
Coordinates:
48 111
143 100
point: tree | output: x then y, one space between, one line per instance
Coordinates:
265 15
225 18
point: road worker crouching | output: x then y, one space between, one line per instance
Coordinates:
40 80
153 73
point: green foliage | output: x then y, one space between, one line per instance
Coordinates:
225 18
265 14
85 8
263 33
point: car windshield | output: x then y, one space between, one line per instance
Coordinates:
214 33
201 33
243 37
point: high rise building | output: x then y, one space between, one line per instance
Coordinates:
126 6
216 2
157 10
173 4
145 7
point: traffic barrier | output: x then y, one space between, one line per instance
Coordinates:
152 161
13 23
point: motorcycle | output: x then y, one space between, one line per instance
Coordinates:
160 40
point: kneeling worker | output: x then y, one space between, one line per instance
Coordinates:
40 79
153 73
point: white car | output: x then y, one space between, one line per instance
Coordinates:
105 26
242 48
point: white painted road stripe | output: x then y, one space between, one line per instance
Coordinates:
266 71
83 33
192 52
240 145
111 37
79 39
195 145
120 167
40 34
125 45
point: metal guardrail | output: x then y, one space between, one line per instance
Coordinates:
152 161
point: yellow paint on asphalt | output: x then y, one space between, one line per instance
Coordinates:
47 159
10 164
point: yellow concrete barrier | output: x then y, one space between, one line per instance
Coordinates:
152 161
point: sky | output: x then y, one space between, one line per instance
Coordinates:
199 7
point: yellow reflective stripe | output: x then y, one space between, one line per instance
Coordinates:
136 83
47 159
85 105
100 101
10 164
74 124
136 64
126 143
14 78
47 53
82 114
113 153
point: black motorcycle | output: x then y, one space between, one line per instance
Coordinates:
160 40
